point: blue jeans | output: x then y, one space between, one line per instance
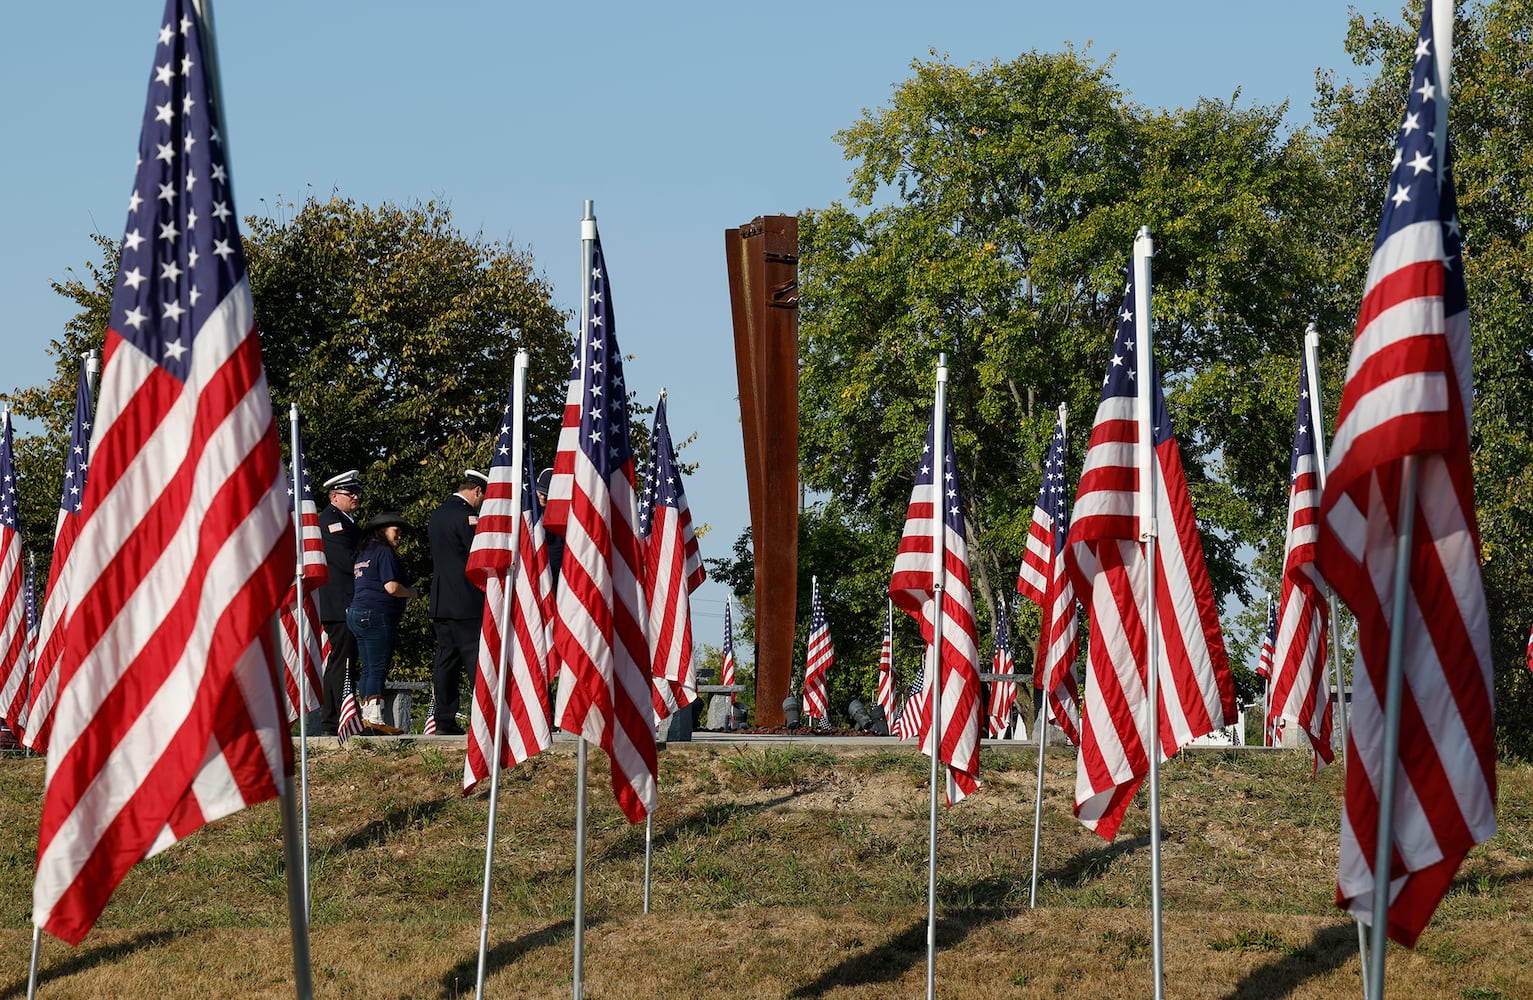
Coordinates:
375 630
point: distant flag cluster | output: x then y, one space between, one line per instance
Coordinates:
56 597
1003 693
1043 579
673 568
935 537
821 657
1299 696
1109 569
1407 404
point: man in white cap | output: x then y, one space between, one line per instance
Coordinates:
342 534
457 606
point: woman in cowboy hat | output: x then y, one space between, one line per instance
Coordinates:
376 605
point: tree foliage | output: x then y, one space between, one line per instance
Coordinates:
395 334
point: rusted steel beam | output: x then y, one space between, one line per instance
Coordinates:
762 258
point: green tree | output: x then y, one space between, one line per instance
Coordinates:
1493 167
394 333
994 210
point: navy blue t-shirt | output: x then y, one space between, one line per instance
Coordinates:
376 565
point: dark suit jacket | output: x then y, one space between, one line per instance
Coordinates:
451 532
342 535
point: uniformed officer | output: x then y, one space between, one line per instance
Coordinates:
457 606
342 534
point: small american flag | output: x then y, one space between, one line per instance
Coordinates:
524 652
1044 580
907 725
1530 649
727 657
936 512
600 630
1303 612
1408 394
1270 735
820 658
1107 564
673 568
304 635
50 631
169 710
429 729
886 690
1003 693
350 723
14 662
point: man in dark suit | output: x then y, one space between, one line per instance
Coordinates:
457 606
342 534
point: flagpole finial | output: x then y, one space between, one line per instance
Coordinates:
588 223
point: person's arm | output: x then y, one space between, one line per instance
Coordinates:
396 589
395 586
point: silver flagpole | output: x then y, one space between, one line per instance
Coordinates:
303 668
1043 741
503 664
649 846
934 659
587 262
1317 421
1144 249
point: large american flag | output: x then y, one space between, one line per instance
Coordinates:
314 571
1408 393
169 709
1044 580
673 568
727 656
497 535
1002 693
1107 564
600 628
936 509
56 600
14 661
1299 695
819 657
886 691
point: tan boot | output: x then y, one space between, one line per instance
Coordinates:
372 717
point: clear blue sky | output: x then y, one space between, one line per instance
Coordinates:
514 113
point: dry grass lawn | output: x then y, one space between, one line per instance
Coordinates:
780 872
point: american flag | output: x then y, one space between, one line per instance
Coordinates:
1264 671
727 657
1299 692
1409 393
908 724
936 506
13 605
497 535
1002 693
350 721
1044 580
429 728
50 631
886 691
169 709
314 571
673 568
600 629
1530 649
1107 564
821 656
32 616
561 485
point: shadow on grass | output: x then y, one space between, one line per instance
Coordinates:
86 958
460 979
1089 865
1284 976
888 962
377 832
700 821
